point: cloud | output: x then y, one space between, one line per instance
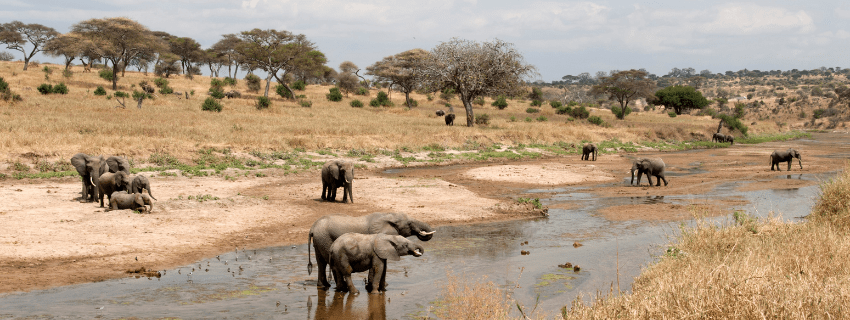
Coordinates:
751 19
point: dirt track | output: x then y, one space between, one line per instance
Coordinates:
48 238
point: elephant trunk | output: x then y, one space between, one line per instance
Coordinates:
417 251
800 161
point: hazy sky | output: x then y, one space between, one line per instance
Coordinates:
558 37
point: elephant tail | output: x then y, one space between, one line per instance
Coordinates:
309 262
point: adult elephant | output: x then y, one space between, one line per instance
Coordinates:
356 252
335 174
86 165
784 156
139 184
729 138
718 137
587 150
110 182
651 167
116 163
328 228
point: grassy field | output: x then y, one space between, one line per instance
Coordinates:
57 126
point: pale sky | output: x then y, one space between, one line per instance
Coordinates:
557 37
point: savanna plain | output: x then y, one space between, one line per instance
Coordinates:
249 178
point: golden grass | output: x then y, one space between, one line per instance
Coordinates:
62 125
462 298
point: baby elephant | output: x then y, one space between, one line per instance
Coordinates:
139 184
440 113
587 150
133 201
450 119
356 252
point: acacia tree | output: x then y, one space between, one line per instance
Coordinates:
228 48
215 60
16 34
120 40
475 69
188 50
274 51
680 98
623 87
69 45
309 66
403 70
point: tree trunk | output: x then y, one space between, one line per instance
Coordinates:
268 84
26 63
470 118
407 99
68 62
114 75
719 125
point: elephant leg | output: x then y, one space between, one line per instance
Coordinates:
640 174
663 178
789 165
323 277
324 188
382 278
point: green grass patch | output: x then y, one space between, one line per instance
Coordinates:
784 136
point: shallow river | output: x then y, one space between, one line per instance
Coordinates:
273 282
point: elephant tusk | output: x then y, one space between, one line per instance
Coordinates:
427 233
417 252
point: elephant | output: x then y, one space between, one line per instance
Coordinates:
335 174
784 156
440 113
233 94
117 163
357 252
110 182
135 201
651 167
330 227
139 184
718 137
450 119
730 139
587 150
87 166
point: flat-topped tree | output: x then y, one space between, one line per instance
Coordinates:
404 70
228 47
275 51
623 87
71 46
16 34
475 70
120 40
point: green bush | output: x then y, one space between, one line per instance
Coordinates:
500 102
282 91
672 114
100 91
67 73
229 81
211 104
580 113
412 103
542 118
253 83
141 94
381 100
334 95
621 113
595 120
564 110
166 90
160 82
263 102
216 93
532 110
215 82
45 88
479 101
817 114
362 91
528 119
121 94
60 88
306 103
356 103
482 119
299 85
536 103
555 104
106 74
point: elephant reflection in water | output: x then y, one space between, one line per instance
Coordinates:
342 307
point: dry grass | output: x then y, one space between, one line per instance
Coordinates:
58 126
752 269
462 298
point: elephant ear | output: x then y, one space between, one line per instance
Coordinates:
386 223
334 169
385 247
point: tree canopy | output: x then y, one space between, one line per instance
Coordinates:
403 70
119 39
680 98
71 46
16 34
623 87
475 69
274 51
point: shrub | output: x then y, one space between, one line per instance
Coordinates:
334 95
60 88
5 56
106 74
429 97
536 94
621 113
166 90
512 119
211 104
160 82
306 103
67 73
542 118
817 114
528 119
381 100
672 114
479 101
229 81
555 104
564 110
282 91
216 93
356 103
412 103
595 120
253 83
536 103
362 91
299 85
121 94
141 94
500 103
6 94
532 110
447 94
580 113
45 88
263 102
215 82
482 119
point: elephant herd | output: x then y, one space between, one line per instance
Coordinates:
111 178
719 137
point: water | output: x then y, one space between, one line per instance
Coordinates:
274 283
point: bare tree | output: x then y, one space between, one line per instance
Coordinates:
403 69
475 69
120 40
16 34
623 87
274 51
